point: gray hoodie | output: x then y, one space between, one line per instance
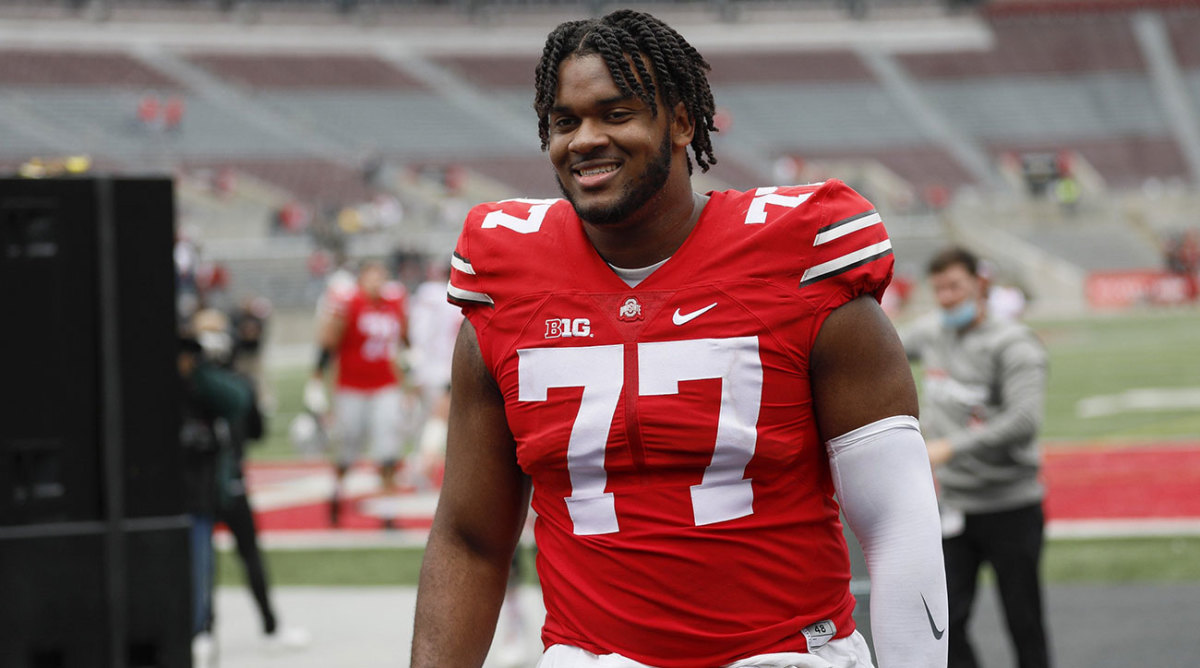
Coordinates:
984 390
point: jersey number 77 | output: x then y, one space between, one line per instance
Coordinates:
723 493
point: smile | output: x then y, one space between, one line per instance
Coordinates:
596 171
592 176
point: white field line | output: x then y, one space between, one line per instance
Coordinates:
1123 528
1141 400
311 488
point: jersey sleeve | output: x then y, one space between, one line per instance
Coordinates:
467 288
397 299
848 252
341 302
335 302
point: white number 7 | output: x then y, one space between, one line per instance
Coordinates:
723 494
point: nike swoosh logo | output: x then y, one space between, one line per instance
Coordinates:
684 318
937 633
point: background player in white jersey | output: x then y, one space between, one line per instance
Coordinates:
432 329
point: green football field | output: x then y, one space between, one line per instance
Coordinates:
1105 373
1126 361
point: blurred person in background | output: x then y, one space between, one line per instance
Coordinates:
243 423
1182 254
984 390
249 325
1005 301
211 401
364 330
433 327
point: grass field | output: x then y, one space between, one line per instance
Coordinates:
1112 355
1067 560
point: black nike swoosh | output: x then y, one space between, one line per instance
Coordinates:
937 633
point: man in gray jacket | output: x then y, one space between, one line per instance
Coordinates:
984 386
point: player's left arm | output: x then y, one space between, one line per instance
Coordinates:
332 329
403 311
865 403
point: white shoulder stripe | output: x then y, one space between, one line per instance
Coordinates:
467 295
838 264
841 229
461 264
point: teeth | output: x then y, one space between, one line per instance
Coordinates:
598 170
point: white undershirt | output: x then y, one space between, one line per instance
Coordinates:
634 276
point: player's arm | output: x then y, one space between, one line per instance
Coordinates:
404 317
329 337
866 407
479 518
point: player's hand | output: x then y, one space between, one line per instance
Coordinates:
316 401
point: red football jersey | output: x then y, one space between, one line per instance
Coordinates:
685 512
367 352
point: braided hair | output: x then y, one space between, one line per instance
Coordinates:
678 70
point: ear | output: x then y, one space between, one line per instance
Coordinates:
683 128
985 285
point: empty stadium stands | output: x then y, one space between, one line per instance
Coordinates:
305 106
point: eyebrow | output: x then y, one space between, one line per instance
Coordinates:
561 109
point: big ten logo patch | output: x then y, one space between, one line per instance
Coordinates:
563 328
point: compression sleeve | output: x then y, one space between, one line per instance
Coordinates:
883 480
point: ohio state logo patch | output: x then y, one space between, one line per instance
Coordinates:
630 311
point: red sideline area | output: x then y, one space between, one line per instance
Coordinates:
1156 481
1083 481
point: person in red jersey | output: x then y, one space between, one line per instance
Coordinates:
685 383
363 328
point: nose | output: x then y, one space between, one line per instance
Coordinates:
589 136
947 298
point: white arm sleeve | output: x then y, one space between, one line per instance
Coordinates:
885 486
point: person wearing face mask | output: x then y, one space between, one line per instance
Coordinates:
984 388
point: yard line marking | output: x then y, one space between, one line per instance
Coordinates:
1141 400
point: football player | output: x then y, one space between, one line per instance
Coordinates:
685 383
364 330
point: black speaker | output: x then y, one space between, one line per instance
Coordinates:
52 437
58 602
94 558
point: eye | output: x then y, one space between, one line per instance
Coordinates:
563 123
618 115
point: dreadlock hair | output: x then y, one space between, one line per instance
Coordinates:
678 70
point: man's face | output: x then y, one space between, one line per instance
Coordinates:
371 279
611 154
955 286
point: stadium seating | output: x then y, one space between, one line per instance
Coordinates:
1049 78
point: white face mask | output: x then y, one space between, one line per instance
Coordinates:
960 316
217 345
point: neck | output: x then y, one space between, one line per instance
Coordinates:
653 233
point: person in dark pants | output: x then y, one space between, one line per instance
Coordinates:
1011 541
212 402
984 380
232 507
235 513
